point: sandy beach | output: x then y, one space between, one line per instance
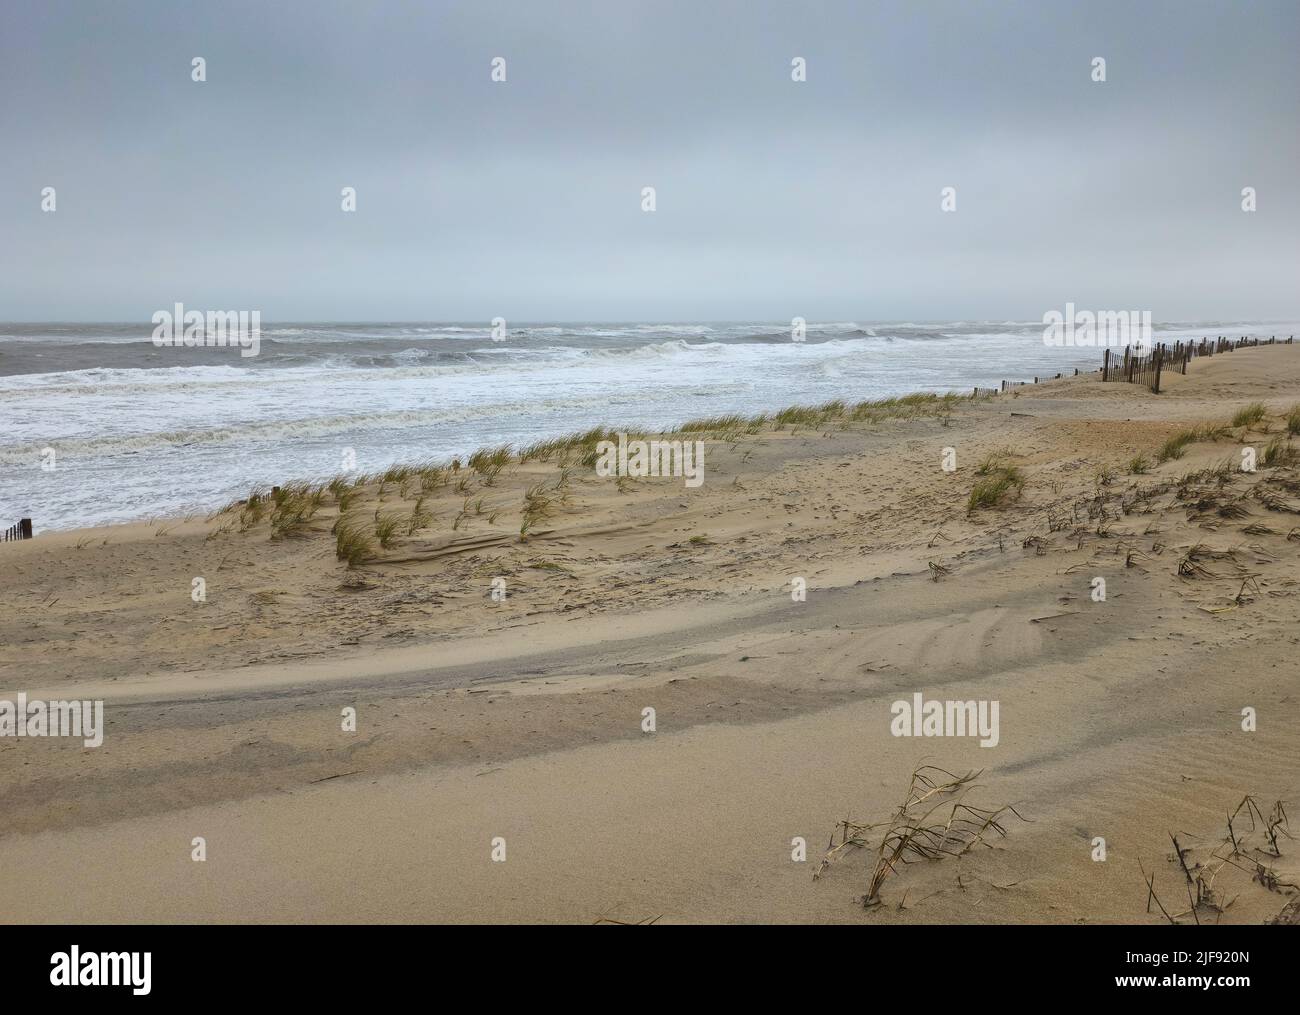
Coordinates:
482 719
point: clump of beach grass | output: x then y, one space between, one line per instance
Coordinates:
1211 432
1250 414
353 542
488 462
295 505
463 515
540 450
420 518
1139 465
293 519
396 474
339 487
538 506
1278 452
726 424
1175 447
1003 482
386 526
575 448
796 415
990 464
254 509
346 497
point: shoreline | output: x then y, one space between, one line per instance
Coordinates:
142 473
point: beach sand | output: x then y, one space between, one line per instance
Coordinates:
522 719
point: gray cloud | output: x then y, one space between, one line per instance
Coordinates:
522 199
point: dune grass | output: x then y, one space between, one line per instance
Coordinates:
719 424
352 540
421 517
1175 446
1001 484
1293 420
1278 452
386 526
538 506
489 462
1250 414
292 506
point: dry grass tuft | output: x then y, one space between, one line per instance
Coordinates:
1244 849
1190 566
915 833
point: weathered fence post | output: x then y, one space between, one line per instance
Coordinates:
1105 366
1159 356
23 530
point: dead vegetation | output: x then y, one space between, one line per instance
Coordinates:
1192 563
919 830
1212 497
1250 846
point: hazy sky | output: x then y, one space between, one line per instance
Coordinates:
523 199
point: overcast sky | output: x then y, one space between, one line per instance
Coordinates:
523 199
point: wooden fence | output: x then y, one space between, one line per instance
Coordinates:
23 530
1144 370
1147 369
1162 358
1008 385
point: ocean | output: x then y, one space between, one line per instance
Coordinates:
139 431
